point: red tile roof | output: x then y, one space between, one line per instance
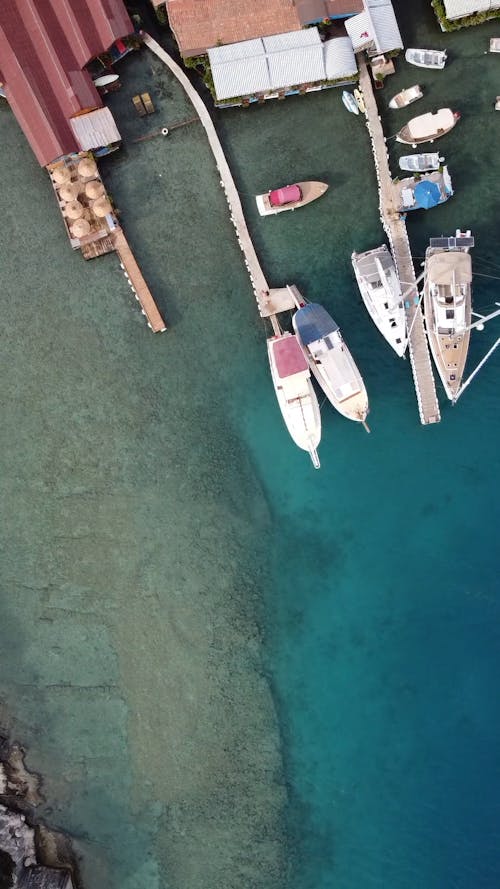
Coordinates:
201 24
43 48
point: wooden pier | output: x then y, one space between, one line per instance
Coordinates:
137 282
395 228
269 301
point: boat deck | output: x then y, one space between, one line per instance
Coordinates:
395 228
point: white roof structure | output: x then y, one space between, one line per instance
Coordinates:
283 60
455 9
95 129
375 27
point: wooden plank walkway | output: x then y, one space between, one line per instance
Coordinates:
137 282
269 301
395 229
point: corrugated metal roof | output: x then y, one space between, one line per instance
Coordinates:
387 34
458 8
241 77
340 60
302 65
95 129
377 24
232 51
292 40
43 47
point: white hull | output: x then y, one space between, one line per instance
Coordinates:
384 303
426 58
448 313
406 97
420 163
311 190
298 404
350 102
336 372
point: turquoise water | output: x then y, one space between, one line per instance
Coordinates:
170 559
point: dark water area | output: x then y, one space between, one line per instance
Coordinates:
160 525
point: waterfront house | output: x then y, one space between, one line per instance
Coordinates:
279 65
198 27
456 9
375 29
44 50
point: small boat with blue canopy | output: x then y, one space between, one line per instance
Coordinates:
350 102
424 192
330 361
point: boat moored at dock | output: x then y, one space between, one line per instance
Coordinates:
426 58
420 163
381 292
289 197
424 192
294 390
428 127
330 361
350 102
448 306
360 102
406 97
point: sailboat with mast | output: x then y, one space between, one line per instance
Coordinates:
448 306
380 289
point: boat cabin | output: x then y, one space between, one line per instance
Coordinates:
289 194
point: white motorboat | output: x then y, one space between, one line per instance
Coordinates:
380 289
495 44
426 58
420 163
350 102
406 97
330 361
289 197
448 306
428 127
294 390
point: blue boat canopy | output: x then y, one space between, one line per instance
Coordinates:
427 194
313 323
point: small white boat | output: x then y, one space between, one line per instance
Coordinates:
380 289
350 102
423 192
105 80
495 44
426 58
330 361
289 197
360 102
294 390
428 127
420 163
448 306
406 97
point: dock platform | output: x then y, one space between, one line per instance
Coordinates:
395 228
137 282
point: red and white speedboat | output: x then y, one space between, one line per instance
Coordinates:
294 390
289 197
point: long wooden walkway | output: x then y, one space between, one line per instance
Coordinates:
269 301
137 282
395 229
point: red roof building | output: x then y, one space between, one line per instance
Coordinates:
44 47
199 25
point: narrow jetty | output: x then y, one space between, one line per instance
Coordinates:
136 281
395 228
269 301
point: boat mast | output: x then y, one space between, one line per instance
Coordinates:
476 371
